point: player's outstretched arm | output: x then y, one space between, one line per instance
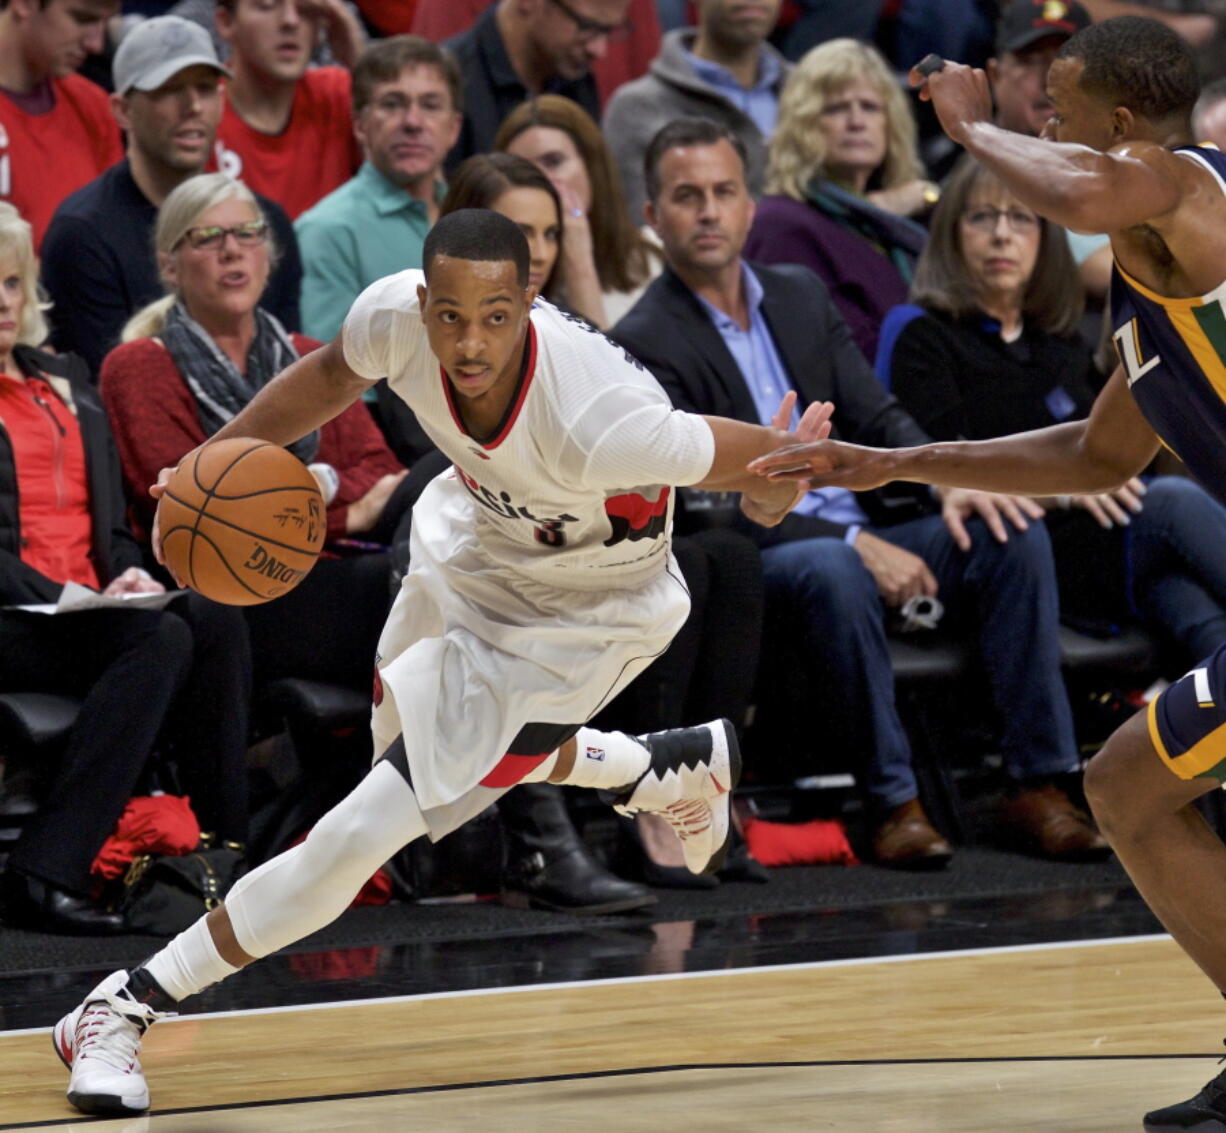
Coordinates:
1095 455
1073 185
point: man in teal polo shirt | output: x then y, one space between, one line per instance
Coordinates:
407 114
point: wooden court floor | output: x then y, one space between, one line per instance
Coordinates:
1080 1038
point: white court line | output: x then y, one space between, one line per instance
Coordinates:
814 965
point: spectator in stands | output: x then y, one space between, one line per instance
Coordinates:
193 359
190 361
559 137
726 337
98 262
519 48
627 56
285 130
723 69
407 105
56 131
991 348
518 189
1028 36
178 678
844 178
1209 114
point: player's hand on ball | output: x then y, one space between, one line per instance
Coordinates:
157 491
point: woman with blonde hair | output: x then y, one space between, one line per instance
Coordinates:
560 138
178 677
842 180
189 362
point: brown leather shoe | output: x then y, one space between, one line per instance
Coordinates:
1044 821
907 840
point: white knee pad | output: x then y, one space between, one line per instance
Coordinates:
309 886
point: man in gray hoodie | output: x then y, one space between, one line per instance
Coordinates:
724 69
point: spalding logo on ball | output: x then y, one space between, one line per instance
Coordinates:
242 521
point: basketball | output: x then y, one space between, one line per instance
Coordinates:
242 521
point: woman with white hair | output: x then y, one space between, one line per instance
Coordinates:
843 178
178 677
189 361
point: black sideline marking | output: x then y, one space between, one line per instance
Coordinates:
591 1075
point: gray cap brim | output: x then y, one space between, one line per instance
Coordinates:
165 71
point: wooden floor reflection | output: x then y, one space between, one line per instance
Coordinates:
1078 1038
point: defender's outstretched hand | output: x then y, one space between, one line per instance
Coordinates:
770 506
826 463
960 95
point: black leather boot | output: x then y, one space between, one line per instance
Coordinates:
548 865
42 907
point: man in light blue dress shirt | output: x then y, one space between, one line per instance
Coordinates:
730 338
407 113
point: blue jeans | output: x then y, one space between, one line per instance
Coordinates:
829 665
1177 562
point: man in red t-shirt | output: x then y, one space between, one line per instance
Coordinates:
286 130
56 129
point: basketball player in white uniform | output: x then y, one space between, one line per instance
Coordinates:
541 583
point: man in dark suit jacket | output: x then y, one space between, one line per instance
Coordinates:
726 337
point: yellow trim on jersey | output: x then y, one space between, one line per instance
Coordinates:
1185 324
1203 755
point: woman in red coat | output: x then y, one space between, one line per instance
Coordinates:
194 358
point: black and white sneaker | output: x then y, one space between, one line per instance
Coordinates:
1204 1113
689 783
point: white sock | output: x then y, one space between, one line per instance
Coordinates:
189 963
607 760
541 772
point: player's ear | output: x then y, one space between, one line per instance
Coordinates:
421 297
1122 122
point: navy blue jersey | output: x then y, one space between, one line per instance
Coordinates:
1174 355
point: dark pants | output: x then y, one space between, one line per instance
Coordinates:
710 668
181 676
828 665
1177 562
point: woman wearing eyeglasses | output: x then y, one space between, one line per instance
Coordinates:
992 348
191 360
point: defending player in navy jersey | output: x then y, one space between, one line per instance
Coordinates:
541 582
1123 164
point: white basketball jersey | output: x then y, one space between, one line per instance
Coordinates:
574 489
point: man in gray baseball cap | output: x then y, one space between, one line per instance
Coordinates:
158 49
97 256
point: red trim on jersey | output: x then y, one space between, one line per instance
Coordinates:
511 769
639 510
512 413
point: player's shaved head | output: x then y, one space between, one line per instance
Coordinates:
480 235
1139 63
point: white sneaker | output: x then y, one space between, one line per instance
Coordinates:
689 783
99 1042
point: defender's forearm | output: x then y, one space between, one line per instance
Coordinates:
1046 462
